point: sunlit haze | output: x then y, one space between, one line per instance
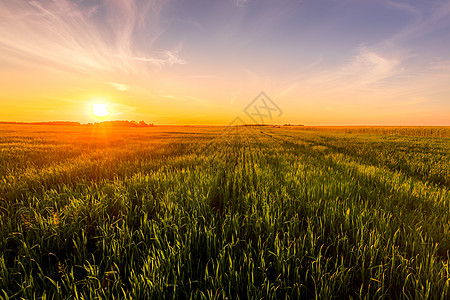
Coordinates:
330 62
100 110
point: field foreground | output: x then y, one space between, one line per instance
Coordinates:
214 212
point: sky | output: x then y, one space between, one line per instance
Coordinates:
319 62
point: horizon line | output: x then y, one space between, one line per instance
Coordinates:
77 123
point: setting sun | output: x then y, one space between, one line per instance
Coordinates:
100 110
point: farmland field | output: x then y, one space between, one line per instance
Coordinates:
251 212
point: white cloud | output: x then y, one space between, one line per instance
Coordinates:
430 17
366 68
70 35
183 98
174 59
118 86
440 65
166 58
369 67
240 3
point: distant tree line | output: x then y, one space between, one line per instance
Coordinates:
124 123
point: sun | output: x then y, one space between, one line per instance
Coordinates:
100 110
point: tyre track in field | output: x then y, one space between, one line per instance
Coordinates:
348 163
103 164
227 166
410 200
440 181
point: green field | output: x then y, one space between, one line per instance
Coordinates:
251 212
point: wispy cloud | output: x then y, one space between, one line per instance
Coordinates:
383 67
190 22
183 98
369 67
406 7
81 37
240 3
118 86
366 68
440 65
162 59
429 17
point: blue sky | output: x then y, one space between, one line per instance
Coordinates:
348 62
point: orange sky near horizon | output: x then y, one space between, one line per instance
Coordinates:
196 62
